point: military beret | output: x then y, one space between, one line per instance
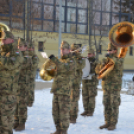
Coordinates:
64 44
75 46
90 51
111 47
21 42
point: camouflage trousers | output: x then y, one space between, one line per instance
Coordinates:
7 109
20 115
30 97
89 92
74 98
111 102
60 111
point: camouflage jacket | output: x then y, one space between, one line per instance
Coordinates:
115 76
25 72
33 67
62 80
80 63
10 65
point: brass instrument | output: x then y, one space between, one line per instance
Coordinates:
3 29
121 35
48 71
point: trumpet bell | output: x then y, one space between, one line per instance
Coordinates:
122 34
48 71
44 75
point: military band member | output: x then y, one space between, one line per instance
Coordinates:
76 81
61 88
10 63
111 85
32 73
20 115
89 86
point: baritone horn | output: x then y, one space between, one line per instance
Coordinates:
121 35
48 71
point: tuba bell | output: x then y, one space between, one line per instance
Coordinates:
48 71
121 35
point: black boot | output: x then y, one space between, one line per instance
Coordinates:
84 113
106 125
15 125
20 127
58 131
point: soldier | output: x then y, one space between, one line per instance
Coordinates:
111 85
61 88
20 115
33 69
75 92
89 86
10 63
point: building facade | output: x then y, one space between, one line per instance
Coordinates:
83 21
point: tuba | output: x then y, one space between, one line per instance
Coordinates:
48 71
121 35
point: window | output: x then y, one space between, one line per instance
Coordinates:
40 46
4 6
131 51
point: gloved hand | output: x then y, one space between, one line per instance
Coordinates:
51 56
133 79
107 55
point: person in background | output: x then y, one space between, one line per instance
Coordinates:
89 86
32 73
20 115
76 81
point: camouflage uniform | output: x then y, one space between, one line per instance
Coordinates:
20 115
76 79
61 88
10 63
33 69
111 85
89 87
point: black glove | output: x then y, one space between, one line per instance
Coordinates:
51 56
133 78
107 55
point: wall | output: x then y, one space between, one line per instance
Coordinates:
51 40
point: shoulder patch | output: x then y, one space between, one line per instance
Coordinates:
17 52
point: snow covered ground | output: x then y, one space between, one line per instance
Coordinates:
40 115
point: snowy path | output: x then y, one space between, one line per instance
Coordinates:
40 117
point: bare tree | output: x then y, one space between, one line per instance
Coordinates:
99 30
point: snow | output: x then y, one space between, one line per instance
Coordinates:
40 119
